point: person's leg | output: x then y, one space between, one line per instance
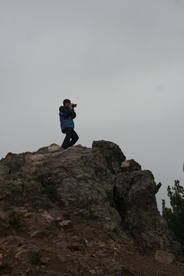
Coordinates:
74 138
66 142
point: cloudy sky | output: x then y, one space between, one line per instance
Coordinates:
121 61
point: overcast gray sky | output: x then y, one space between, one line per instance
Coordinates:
121 61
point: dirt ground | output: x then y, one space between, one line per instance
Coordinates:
76 247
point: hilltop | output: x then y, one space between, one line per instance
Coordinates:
82 211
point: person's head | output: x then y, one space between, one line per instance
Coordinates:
67 103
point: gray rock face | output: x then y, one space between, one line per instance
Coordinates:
96 183
112 154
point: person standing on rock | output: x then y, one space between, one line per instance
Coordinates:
67 114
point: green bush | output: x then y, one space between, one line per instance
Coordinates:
175 215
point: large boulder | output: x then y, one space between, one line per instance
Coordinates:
96 183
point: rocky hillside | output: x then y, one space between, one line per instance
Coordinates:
82 211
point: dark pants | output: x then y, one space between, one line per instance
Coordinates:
70 138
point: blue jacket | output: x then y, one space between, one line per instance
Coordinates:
66 117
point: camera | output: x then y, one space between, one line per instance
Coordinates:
73 105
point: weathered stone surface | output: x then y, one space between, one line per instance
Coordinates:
31 255
112 153
164 257
95 182
42 233
4 223
50 149
69 199
130 166
134 197
1 259
118 271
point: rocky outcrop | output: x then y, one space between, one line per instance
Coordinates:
51 193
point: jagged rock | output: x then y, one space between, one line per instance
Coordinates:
1 259
112 153
130 166
4 223
42 233
55 195
164 257
95 182
65 223
158 187
118 270
50 149
31 255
